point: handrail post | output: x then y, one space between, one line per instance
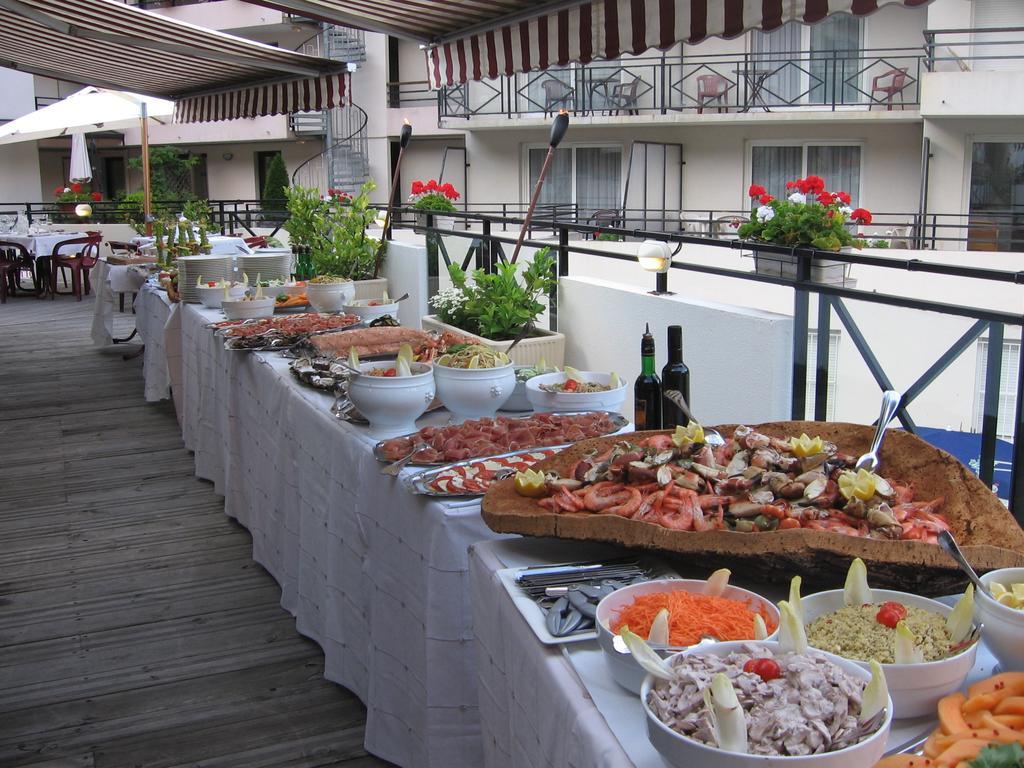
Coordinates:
1016 493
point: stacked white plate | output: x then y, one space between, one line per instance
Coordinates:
273 265
207 267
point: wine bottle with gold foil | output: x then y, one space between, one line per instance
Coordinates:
675 376
647 389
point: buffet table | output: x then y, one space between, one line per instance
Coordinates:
377 576
107 280
159 324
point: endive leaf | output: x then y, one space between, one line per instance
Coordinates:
402 367
405 353
659 629
906 651
645 655
856 590
717 582
353 358
792 635
794 598
876 694
728 723
613 380
760 630
960 620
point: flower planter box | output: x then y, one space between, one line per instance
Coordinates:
785 265
548 344
371 289
440 221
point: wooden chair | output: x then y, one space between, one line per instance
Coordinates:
79 264
712 88
897 83
14 257
557 95
625 96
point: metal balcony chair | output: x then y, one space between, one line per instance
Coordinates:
712 88
897 83
625 96
557 95
605 217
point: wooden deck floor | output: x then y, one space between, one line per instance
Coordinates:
135 630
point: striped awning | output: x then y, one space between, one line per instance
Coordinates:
209 74
481 39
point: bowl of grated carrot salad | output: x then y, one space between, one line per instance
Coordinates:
693 617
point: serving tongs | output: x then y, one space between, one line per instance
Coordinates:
890 404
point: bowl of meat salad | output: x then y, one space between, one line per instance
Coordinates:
572 390
932 662
799 709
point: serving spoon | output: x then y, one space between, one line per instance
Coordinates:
396 467
948 543
890 403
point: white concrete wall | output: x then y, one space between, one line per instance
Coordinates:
223 14
739 358
19 163
990 93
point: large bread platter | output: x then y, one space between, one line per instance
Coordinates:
987 532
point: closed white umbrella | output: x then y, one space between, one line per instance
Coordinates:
81 168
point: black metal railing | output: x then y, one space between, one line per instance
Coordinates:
489 235
411 93
973 49
830 80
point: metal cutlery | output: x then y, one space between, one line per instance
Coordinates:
890 404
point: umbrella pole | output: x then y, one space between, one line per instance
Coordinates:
147 208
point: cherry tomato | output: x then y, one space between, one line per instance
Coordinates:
890 614
571 385
390 372
788 522
766 669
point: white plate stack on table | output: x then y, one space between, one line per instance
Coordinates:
276 265
207 268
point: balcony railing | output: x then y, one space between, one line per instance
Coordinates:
411 93
778 81
974 49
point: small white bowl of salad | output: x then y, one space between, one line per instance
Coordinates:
571 390
519 401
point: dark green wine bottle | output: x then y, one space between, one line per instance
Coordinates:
647 389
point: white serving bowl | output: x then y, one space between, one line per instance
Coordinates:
212 297
392 403
474 393
363 309
239 309
518 401
565 402
623 666
1004 626
915 688
273 291
683 752
330 297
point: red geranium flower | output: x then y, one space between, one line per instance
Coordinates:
830 213
765 199
826 198
803 186
449 191
790 185
432 186
844 197
815 183
96 197
756 190
59 191
417 187
861 215
76 187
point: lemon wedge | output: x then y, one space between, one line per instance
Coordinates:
805 446
860 484
530 483
1012 597
691 433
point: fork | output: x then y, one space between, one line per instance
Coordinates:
396 467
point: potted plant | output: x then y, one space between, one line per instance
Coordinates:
496 307
810 217
70 196
431 197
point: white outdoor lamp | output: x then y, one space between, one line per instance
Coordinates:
83 210
656 256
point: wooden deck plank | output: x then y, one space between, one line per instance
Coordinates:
135 630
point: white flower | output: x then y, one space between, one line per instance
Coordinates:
798 197
765 213
67 189
448 300
845 210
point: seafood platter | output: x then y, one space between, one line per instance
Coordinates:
484 438
770 500
279 333
472 477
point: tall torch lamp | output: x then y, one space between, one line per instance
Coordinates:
403 142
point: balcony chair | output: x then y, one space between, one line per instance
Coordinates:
79 264
606 217
14 257
712 88
260 241
625 96
897 83
557 95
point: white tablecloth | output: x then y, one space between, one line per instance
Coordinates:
157 320
377 576
107 280
534 710
42 245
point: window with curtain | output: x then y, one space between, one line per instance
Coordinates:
1007 387
997 197
838 165
589 177
835 46
779 52
833 374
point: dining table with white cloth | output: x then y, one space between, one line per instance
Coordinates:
158 321
106 280
43 243
374 574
